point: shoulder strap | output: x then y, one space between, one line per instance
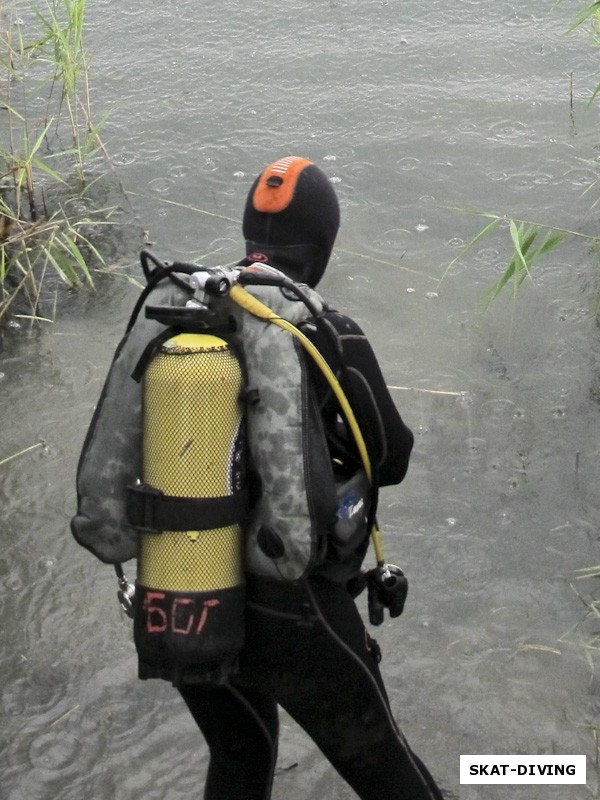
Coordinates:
149 351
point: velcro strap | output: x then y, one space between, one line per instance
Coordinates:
149 509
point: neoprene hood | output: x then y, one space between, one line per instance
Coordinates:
291 219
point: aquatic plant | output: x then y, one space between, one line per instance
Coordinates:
39 174
529 242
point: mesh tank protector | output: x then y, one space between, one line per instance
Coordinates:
189 598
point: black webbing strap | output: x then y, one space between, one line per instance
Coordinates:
150 510
150 350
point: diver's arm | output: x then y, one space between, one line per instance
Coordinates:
388 439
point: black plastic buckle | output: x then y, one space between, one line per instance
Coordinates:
142 501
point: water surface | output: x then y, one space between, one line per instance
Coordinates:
410 109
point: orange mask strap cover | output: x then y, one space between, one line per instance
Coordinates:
276 185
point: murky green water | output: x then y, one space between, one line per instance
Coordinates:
410 109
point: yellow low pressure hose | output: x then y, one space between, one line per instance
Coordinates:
258 309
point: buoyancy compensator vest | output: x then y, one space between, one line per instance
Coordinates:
288 525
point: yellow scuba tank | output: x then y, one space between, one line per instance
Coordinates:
189 507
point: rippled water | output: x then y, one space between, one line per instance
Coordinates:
410 109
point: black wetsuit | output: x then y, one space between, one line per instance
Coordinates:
307 648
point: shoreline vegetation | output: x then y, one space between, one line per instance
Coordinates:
51 155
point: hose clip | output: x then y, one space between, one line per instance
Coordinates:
125 592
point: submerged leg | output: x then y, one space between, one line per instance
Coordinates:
350 718
241 729
318 662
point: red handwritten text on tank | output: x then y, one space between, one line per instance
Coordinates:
175 614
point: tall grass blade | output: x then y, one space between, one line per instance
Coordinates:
524 256
485 231
583 15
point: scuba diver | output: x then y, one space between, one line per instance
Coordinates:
305 646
